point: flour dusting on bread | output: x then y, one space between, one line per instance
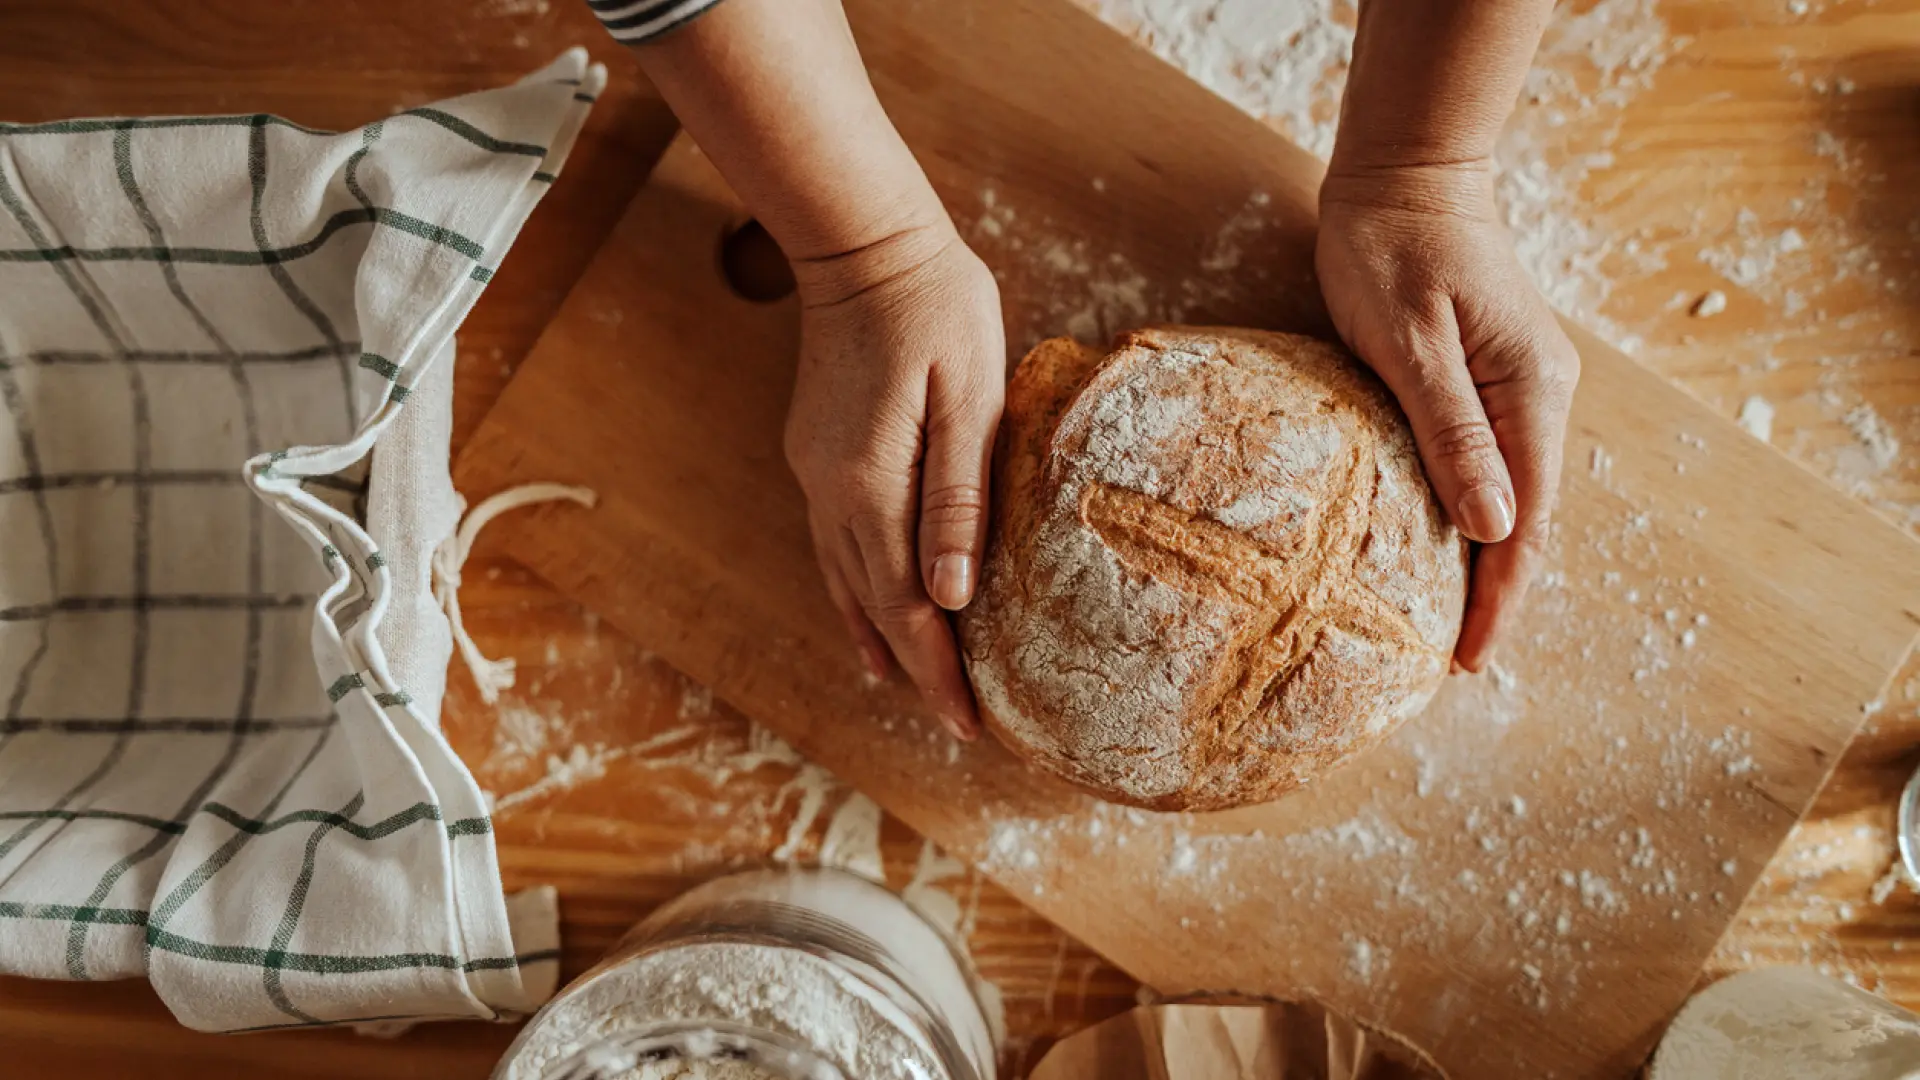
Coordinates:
1217 568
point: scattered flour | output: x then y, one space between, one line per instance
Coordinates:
580 764
1754 257
814 785
1367 835
1890 881
1283 62
1360 959
1881 448
1287 63
1818 264
852 842
1756 418
1711 303
939 907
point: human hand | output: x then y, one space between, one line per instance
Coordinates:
898 395
1423 284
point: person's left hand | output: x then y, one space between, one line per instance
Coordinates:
1422 282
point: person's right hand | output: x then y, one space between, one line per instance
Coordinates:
899 391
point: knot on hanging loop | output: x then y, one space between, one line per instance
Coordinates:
489 676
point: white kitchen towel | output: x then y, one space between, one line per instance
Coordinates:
211 772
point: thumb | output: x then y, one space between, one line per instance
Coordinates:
1457 444
963 412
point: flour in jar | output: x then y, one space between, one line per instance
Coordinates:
698 1070
1787 1023
769 988
812 974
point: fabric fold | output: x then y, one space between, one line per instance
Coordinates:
221 766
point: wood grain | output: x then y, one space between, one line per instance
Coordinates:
1560 884
1726 126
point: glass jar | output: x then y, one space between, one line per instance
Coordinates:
777 974
1788 1023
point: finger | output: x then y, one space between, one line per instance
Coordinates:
963 409
916 629
831 547
1530 422
1457 443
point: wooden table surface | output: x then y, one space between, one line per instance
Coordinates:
621 782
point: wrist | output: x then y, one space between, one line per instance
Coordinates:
1460 188
1433 83
892 253
872 192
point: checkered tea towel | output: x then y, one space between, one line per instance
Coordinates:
220 760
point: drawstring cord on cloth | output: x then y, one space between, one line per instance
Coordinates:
490 676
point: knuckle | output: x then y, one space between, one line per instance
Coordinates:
1557 379
966 408
953 504
898 611
970 398
849 482
1422 343
855 484
1567 359
1534 538
1463 440
1534 541
796 446
866 520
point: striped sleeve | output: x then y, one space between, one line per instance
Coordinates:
636 21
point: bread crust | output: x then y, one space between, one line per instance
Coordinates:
1216 569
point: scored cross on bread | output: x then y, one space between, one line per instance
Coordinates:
1308 589
1217 569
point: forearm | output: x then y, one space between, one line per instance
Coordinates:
1433 81
775 94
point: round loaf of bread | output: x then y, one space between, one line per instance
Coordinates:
1216 568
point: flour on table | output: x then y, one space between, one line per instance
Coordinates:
1879 445
579 764
1754 256
852 842
1360 952
1711 303
541 751
1287 63
935 904
1890 881
1550 916
1280 61
1756 418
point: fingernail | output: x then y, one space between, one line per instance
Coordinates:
956 728
1486 514
875 660
953 581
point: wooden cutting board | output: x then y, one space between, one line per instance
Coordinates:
1525 879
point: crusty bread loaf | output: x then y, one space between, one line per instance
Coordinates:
1216 568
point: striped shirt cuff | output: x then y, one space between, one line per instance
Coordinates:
635 21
